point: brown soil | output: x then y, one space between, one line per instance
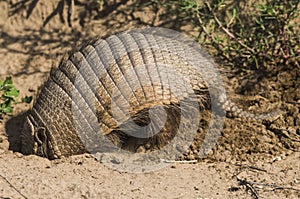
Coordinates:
265 152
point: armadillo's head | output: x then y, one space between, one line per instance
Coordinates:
36 139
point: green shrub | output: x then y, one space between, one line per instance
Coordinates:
9 95
251 34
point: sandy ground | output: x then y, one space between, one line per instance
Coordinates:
250 156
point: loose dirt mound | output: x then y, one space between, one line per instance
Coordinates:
32 41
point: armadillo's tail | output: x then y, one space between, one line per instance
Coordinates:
232 108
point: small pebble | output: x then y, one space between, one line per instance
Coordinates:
19 155
278 158
2 151
141 149
191 157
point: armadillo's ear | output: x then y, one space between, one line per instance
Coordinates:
40 142
40 135
27 140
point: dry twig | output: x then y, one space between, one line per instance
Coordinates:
12 186
250 185
226 30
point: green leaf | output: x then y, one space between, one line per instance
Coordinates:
13 92
7 86
27 99
8 81
234 12
8 109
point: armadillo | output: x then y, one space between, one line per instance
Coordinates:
110 87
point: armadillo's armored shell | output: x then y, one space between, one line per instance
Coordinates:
107 82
